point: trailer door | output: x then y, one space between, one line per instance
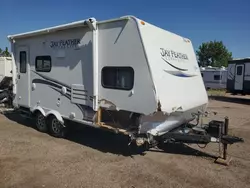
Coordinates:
23 92
238 84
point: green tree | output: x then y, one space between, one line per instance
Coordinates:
213 53
5 53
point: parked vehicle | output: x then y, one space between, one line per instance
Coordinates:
5 72
6 80
214 77
238 79
124 75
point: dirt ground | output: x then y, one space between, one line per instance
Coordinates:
93 158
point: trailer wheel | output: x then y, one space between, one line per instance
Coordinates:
56 128
41 122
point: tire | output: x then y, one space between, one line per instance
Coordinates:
41 123
56 128
3 94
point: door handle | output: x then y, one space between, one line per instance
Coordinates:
18 76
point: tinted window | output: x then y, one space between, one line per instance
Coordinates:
43 63
23 61
239 70
217 77
118 78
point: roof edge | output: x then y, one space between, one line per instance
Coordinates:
239 60
63 27
49 29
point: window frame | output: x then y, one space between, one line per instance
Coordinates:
241 70
43 57
219 76
21 62
118 68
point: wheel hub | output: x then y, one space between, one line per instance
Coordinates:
56 125
41 121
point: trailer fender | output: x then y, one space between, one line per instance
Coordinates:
38 108
56 114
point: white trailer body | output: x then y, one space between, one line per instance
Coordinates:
5 68
118 74
214 77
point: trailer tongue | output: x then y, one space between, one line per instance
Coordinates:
213 132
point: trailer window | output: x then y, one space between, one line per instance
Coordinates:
239 70
118 78
217 77
23 61
43 63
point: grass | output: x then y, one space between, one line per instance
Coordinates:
216 92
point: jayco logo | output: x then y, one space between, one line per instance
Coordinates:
70 43
172 55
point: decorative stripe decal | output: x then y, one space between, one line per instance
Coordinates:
230 73
57 85
46 82
179 73
180 69
53 80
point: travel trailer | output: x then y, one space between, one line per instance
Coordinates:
238 79
214 77
123 75
6 81
5 71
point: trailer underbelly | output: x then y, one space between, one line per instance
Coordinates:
159 124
